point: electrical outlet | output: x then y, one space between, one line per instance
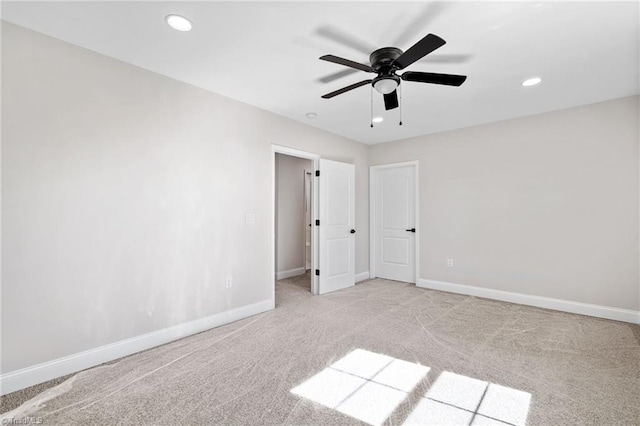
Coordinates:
250 218
449 263
228 282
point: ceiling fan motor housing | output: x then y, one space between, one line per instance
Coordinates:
382 59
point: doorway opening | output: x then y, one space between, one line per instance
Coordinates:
295 204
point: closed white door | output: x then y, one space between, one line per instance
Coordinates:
395 223
337 226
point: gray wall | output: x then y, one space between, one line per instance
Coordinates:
124 196
290 226
544 205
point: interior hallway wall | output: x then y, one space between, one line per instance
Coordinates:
545 205
124 198
290 209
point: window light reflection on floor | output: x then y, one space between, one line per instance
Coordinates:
370 386
461 400
364 385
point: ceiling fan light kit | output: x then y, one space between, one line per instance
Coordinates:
386 61
386 84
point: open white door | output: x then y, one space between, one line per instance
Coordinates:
337 226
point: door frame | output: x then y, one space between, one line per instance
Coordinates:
372 214
315 159
311 184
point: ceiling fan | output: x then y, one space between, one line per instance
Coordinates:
387 60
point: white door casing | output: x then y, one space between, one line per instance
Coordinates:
308 217
337 220
394 222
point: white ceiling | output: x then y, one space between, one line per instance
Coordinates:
266 54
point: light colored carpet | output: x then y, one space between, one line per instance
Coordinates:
303 280
382 351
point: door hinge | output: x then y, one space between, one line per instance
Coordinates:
317 172
317 271
317 222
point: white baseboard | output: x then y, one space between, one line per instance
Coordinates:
290 273
29 376
599 311
362 276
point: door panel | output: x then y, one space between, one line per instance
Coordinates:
396 251
338 192
337 219
395 214
338 262
394 218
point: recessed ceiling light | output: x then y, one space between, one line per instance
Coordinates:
531 81
378 119
178 22
311 115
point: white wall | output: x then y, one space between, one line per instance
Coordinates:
124 196
290 209
545 205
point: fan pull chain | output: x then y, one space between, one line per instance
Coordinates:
400 102
371 105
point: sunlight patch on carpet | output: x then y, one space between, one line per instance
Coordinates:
364 385
369 387
458 399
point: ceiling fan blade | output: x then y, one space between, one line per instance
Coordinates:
336 75
428 77
346 63
428 44
345 39
391 100
346 89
